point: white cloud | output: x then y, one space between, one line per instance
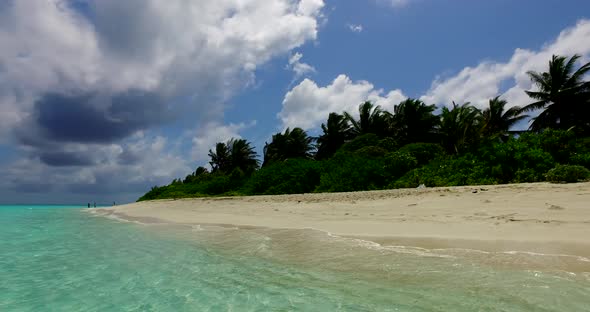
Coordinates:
210 134
355 28
394 3
299 68
195 55
199 50
307 105
484 81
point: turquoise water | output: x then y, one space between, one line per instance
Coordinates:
66 259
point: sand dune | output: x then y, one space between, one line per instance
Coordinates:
537 217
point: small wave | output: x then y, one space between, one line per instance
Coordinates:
530 253
418 251
113 216
435 252
121 219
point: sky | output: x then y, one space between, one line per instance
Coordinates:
100 100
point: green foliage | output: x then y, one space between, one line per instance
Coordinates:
371 152
389 144
581 159
347 172
562 95
154 193
568 173
423 152
293 176
336 131
291 144
218 184
460 127
236 153
451 171
396 164
460 146
414 121
497 120
372 119
361 141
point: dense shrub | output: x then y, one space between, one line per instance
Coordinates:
371 152
293 176
451 171
154 193
218 184
369 162
351 172
423 152
396 164
581 159
359 142
568 173
389 144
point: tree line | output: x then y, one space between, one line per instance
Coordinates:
415 144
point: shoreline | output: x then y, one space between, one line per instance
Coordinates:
531 217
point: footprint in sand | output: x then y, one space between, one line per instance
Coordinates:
555 207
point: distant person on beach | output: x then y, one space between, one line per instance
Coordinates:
94 205
88 205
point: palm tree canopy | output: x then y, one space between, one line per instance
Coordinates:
220 158
372 119
290 144
414 121
561 93
497 121
243 156
234 154
336 132
460 126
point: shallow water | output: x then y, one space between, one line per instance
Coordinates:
65 259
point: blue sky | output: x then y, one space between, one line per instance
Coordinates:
407 46
102 99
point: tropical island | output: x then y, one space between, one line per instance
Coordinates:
415 145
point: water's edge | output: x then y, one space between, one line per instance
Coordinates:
548 256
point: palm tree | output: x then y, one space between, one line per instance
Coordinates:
337 131
372 119
234 154
497 121
242 156
413 121
459 127
291 144
220 159
562 94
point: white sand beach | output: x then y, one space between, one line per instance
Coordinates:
536 217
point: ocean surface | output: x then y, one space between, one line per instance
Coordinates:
55 258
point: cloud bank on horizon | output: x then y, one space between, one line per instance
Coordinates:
89 90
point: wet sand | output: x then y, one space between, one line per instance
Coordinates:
537 217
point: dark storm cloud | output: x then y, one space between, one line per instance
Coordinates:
88 119
61 119
62 159
128 157
31 187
